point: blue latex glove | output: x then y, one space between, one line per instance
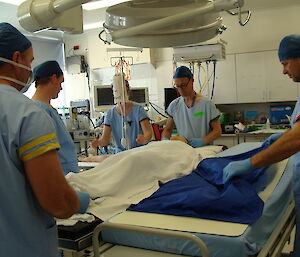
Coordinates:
271 139
165 138
84 201
237 168
196 142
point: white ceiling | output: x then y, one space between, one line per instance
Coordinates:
8 12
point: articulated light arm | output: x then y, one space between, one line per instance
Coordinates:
35 15
63 5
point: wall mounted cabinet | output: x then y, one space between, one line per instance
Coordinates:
225 87
253 78
260 79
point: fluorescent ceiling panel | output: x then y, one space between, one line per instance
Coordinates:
96 25
101 4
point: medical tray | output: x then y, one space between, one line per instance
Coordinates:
77 237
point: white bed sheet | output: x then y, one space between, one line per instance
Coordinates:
249 243
131 176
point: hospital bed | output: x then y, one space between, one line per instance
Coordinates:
144 234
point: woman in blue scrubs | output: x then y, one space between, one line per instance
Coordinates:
48 79
137 126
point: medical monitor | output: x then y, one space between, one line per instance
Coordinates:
170 95
103 97
139 95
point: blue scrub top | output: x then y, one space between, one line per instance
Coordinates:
26 132
114 120
296 157
296 181
67 153
193 122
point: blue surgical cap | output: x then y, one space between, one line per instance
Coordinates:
183 72
289 48
46 70
11 40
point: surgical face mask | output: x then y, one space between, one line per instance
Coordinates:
30 79
119 89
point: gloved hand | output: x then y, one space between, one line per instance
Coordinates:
237 168
84 201
271 139
165 138
196 142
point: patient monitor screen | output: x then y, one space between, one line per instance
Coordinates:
105 96
138 95
170 95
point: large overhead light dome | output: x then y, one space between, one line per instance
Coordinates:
138 23
165 23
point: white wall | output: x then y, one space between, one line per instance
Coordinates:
263 32
143 73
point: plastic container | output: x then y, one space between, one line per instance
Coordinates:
224 118
268 124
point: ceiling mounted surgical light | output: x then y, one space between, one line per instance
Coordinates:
101 4
138 23
166 23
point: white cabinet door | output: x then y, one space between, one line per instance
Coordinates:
251 79
279 86
225 85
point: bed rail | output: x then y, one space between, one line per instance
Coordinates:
146 230
280 235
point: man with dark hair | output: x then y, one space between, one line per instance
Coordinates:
281 146
196 117
48 79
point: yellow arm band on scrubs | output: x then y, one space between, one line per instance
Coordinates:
45 147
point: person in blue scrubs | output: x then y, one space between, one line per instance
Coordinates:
48 78
284 145
33 189
137 128
195 117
